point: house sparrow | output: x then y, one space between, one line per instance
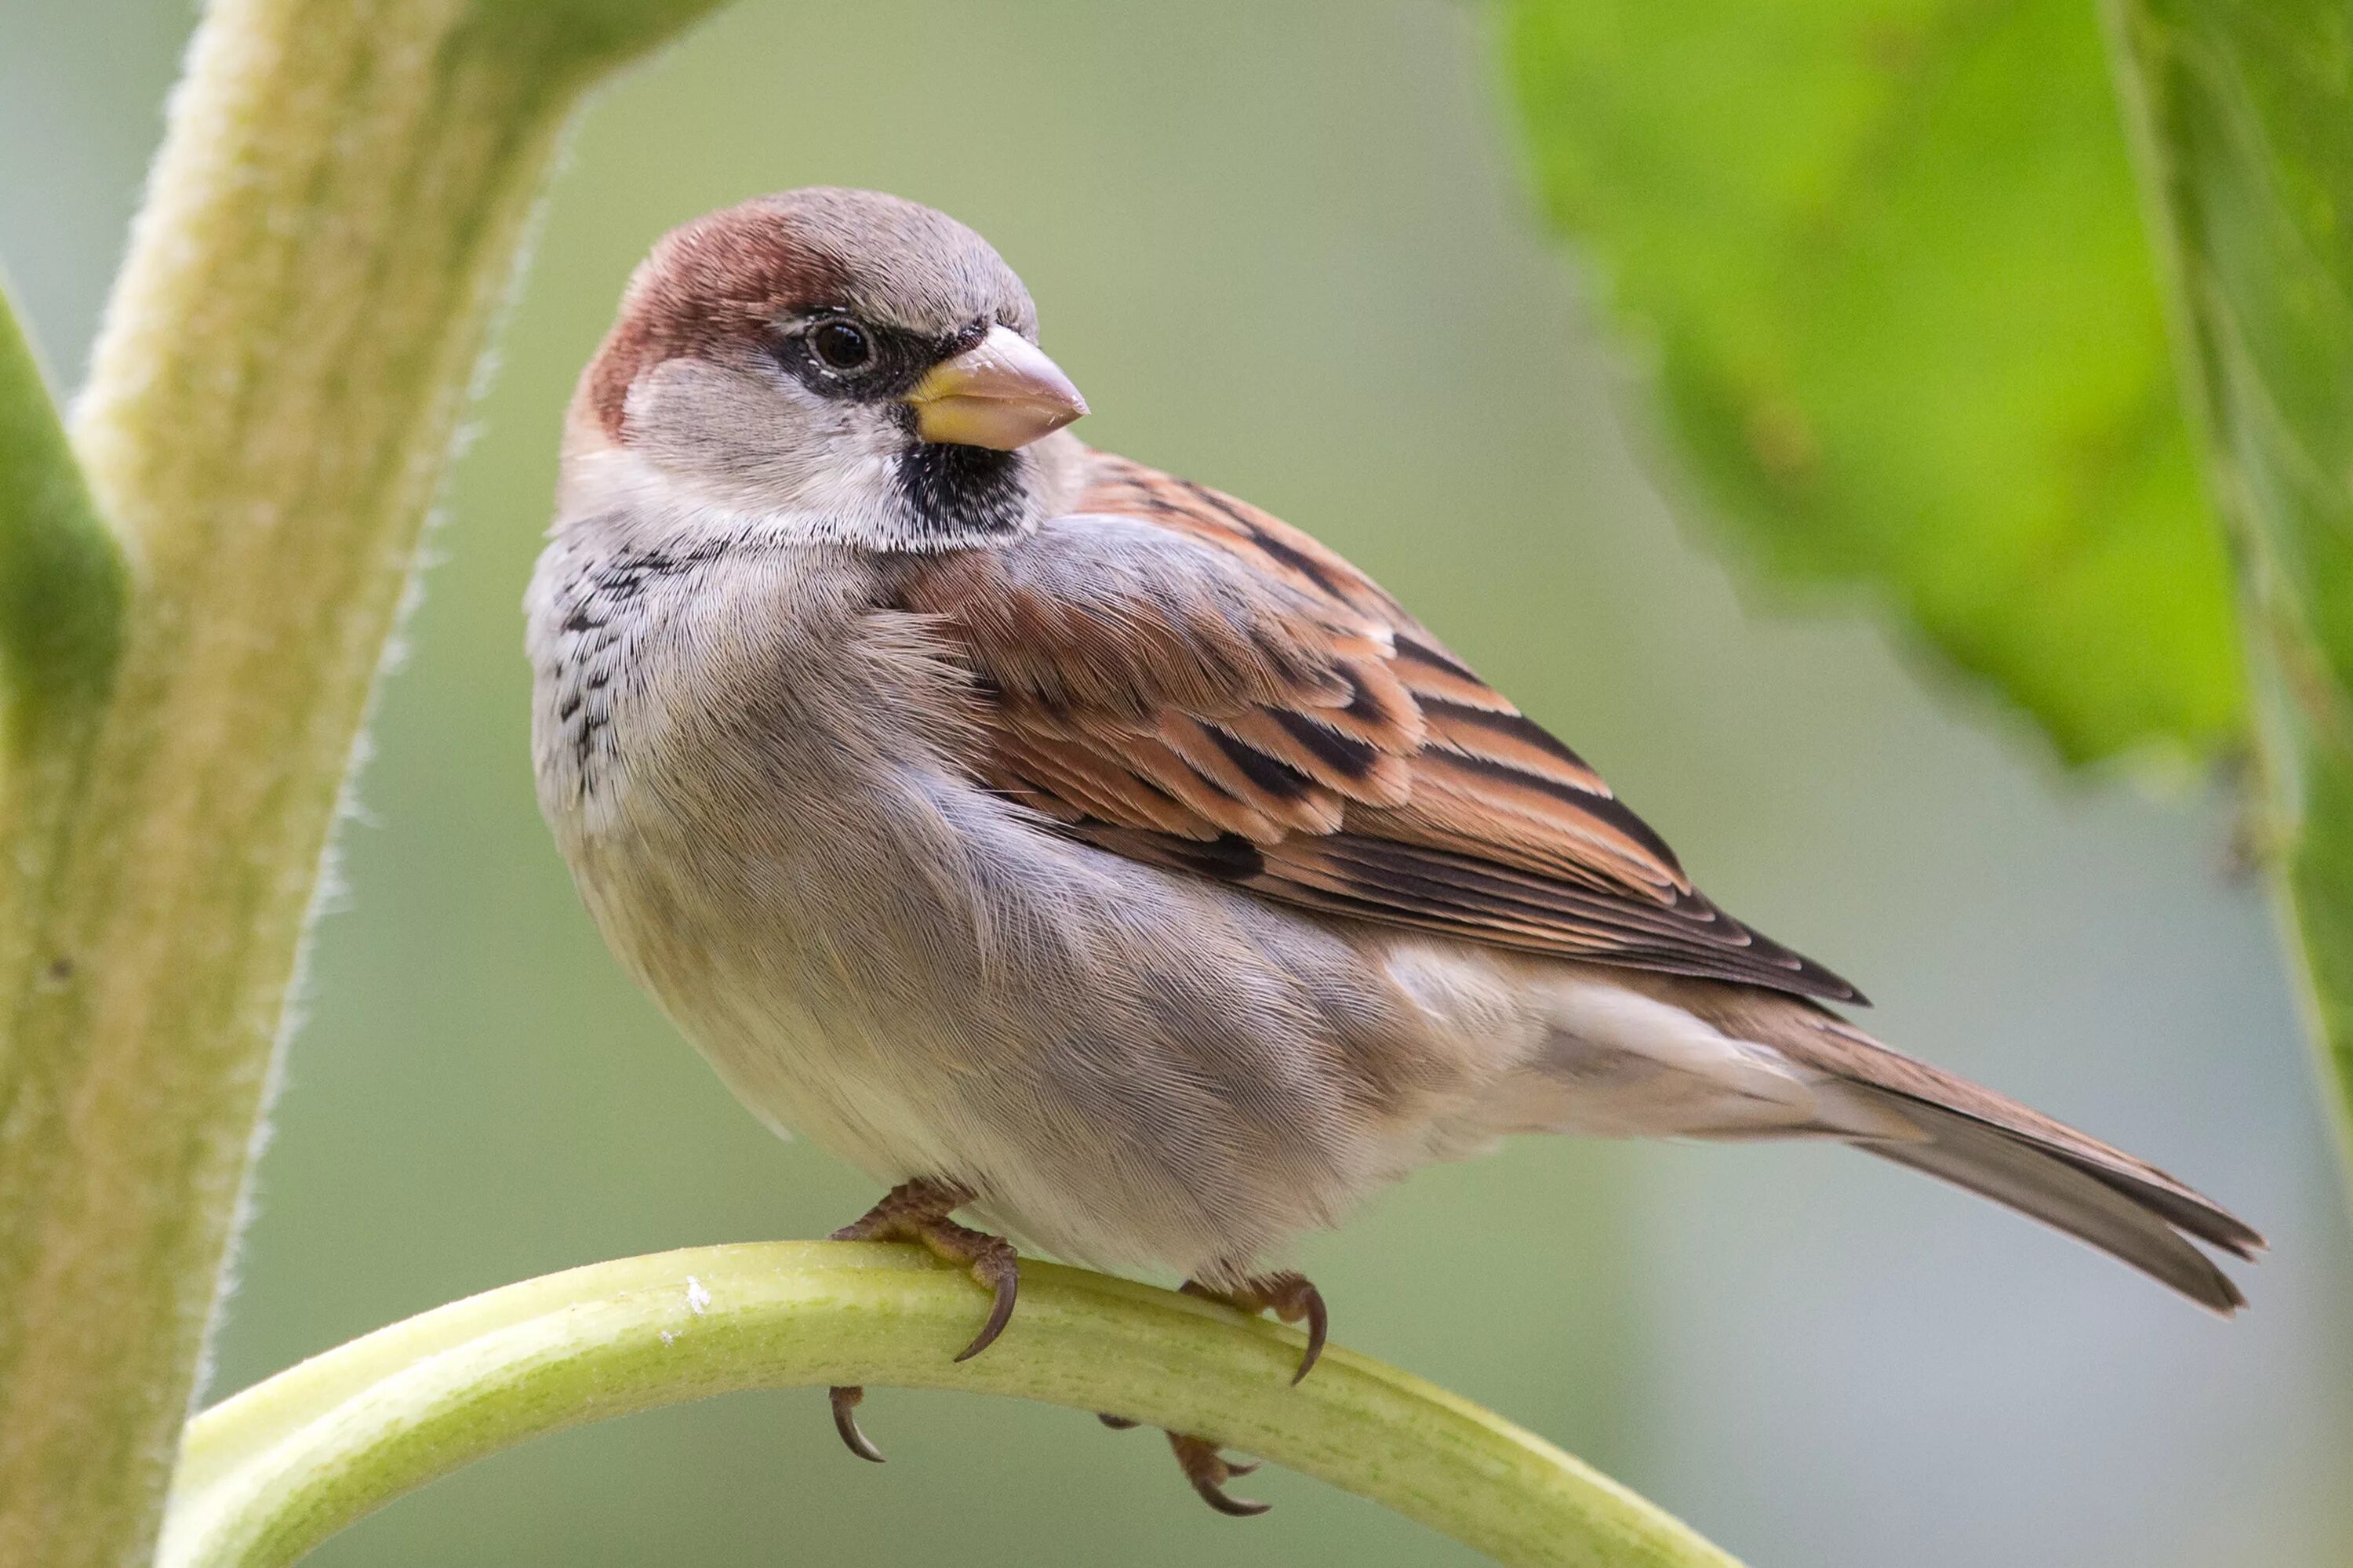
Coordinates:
1066 843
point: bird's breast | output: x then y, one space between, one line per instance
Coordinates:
735 741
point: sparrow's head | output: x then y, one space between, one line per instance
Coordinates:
854 366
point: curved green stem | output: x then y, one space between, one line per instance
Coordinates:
268 1475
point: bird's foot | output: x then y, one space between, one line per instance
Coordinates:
1209 1470
1205 1466
1289 1296
918 1212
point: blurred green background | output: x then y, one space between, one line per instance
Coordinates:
1286 249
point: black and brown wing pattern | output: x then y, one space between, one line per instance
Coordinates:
1183 679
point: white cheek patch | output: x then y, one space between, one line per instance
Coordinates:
749 442
859 477
766 454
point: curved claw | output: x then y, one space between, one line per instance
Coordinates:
1289 1296
1210 1492
845 1402
1117 1422
1001 1273
1208 1471
1232 1508
1319 1324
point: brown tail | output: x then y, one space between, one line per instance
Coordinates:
1979 1140
2120 1212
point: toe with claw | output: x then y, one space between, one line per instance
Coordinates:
845 1421
918 1212
1208 1469
1289 1296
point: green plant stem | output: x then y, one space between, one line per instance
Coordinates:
273 1471
337 208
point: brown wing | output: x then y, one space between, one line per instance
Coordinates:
1180 678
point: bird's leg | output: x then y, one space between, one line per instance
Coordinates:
1289 1296
918 1212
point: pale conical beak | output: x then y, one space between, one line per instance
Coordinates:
1002 392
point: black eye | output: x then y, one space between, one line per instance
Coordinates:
842 345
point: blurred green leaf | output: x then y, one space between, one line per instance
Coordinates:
2243 114
1892 258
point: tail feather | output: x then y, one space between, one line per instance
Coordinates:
2045 1185
1995 1146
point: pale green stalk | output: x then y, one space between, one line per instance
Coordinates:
272 1472
336 214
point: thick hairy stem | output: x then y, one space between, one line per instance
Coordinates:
336 211
277 1469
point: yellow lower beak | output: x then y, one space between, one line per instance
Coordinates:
1003 392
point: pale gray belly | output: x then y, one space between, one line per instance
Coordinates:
1134 1068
